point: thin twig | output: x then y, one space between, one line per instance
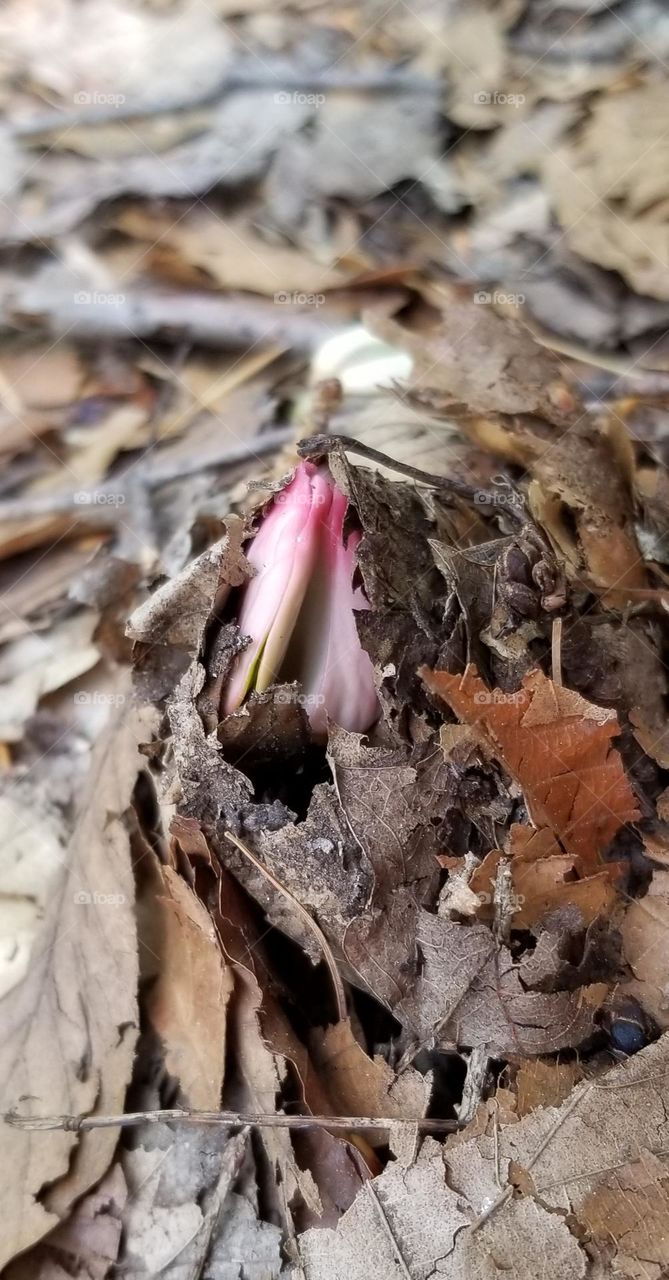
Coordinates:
337 984
243 77
312 445
225 1119
556 651
100 505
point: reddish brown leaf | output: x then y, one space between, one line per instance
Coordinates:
557 747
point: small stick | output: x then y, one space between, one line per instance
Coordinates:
475 1083
243 77
556 651
311 445
225 1119
323 943
99 505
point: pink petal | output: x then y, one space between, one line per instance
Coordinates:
283 553
339 680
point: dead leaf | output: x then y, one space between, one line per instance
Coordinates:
557 746
509 395
233 254
545 1082
86 1245
471 992
35 665
454 1204
78 993
644 933
543 879
490 366
628 1211
182 1212
364 1086
177 613
609 188
188 1000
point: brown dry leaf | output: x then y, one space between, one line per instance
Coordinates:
545 1082
509 394
476 360
232 253
71 1017
188 1001
563 1157
557 747
364 1086
628 1213
543 880
644 929
610 187
176 614
92 450
363 859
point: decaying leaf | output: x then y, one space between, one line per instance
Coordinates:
510 396
644 934
71 1017
86 1244
543 880
557 747
612 205
454 1210
471 992
359 1085
187 1002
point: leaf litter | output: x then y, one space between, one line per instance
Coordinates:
423 255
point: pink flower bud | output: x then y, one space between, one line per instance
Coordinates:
299 608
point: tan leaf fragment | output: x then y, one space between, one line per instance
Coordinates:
645 928
71 1021
364 1086
187 1004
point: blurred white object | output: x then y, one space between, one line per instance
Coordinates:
361 362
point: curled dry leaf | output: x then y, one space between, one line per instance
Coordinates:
543 879
557 747
360 1085
177 613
